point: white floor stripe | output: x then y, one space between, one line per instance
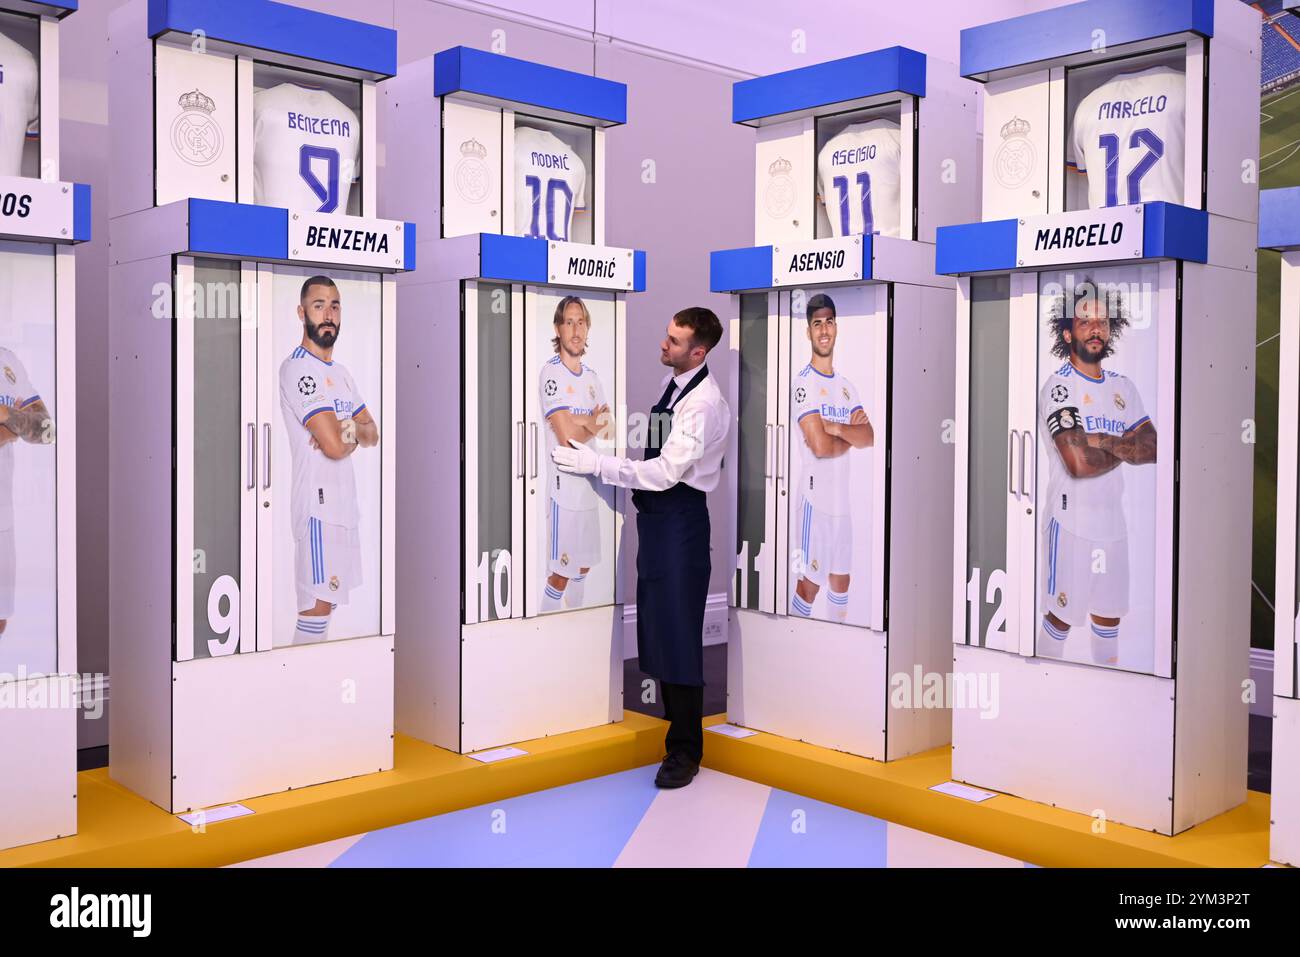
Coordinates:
906 847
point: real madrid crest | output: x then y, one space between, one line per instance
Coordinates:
781 192
471 175
334 583
195 136
1015 159
1062 600
564 559
1119 402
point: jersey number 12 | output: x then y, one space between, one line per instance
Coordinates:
1155 148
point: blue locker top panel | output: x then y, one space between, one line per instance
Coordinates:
1279 216
812 89
1168 232
359 49
42 8
587 99
1071 30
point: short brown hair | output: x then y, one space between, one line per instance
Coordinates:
705 328
559 315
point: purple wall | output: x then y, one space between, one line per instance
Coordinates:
678 59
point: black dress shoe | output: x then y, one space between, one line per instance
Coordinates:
676 771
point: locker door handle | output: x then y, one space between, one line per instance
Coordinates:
532 441
767 451
266 455
1024 457
252 455
1011 459
519 448
780 444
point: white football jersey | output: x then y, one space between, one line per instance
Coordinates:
857 177
1128 137
323 488
1091 508
20 103
578 392
17 391
306 148
550 183
824 482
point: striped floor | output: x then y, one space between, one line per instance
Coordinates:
623 820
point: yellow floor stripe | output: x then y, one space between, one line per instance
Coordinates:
120 829
898 792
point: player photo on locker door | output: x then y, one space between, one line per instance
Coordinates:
325 461
1125 143
574 336
1098 375
20 95
832 439
28 573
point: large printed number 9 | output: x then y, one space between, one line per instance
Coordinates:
327 192
224 587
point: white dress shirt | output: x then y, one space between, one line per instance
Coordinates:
693 451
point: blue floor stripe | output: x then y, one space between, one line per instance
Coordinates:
586 824
832 836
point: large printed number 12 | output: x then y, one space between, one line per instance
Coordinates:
841 183
328 191
554 230
1110 143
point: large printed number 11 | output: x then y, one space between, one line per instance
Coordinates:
841 183
1109 142
557 220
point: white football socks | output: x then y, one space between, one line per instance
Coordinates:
551 597
573 591
311 628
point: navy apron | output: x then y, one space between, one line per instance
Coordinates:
672 565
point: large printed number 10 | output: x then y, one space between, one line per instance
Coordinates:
557 220
1109 142
327 190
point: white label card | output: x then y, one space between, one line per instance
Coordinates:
964 791
730 730
32 207
215 815
588 266
497 754
1088 235
345 240
839 259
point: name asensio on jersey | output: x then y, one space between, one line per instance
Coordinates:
855 155
350 240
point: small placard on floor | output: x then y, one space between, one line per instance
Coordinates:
964 791
497 754
214 815
730 730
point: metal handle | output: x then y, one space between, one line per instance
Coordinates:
266 455
519 447
252 455
780 444
1011 458
532 442
1024 457
767 451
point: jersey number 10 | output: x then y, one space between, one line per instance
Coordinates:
557 220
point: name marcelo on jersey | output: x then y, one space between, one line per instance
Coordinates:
855 155
1122 109
549 160
319 125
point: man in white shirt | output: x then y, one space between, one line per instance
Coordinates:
684 445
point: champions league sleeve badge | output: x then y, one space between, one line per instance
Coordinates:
1014 161
307 385
195 136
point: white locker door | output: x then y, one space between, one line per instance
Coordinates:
1022 417
496 450
1287 614
217 444
781 518
756 556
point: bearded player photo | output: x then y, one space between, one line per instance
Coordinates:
1094 423
575 407
328 423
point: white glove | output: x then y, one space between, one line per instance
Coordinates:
577 459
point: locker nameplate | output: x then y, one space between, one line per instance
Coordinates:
1088 235
346 240
592 267
41 210
824 260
